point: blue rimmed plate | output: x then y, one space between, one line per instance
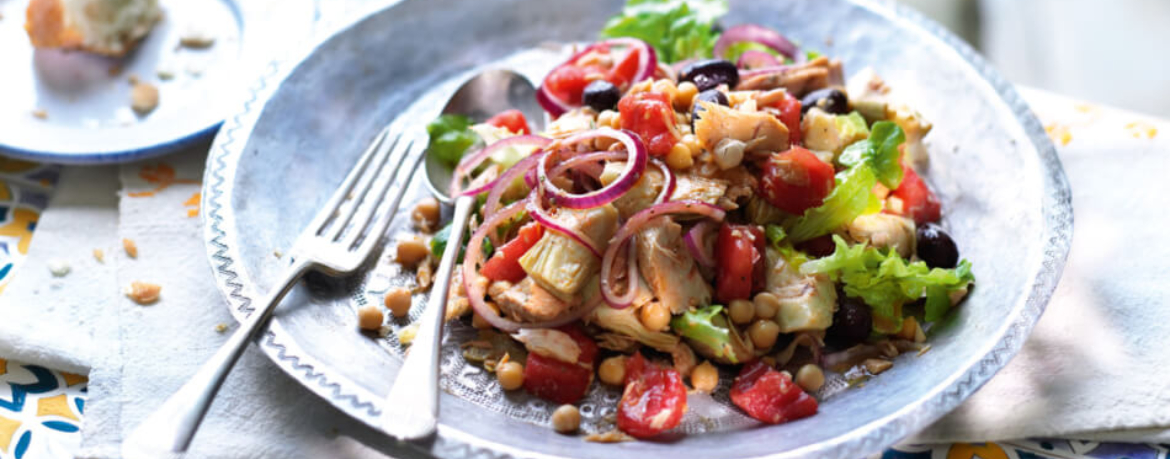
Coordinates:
74 107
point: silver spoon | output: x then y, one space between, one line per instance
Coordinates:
411 410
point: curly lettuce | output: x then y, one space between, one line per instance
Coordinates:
875 159
677 29
883 279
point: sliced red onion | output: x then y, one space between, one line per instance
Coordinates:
754 59
701 243
472 259
470 162
537 213
647 64
637 157
630 228
669 180
581 159
755 34
505 180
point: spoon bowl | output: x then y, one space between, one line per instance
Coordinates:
479 98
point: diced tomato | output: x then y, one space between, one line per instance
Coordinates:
918 202
790 115
568 82
796 180
650 115
505 263
512 120
654 399
557 381
739 255
770 396
624 72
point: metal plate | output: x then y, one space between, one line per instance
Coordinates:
274 163
87 97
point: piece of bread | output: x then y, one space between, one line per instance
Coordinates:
108 27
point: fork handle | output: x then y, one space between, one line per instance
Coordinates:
170 427
411 410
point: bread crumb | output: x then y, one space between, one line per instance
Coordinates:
143 293
877 366
99 255
165 74
195 38
59 267
143 97
40 114
613 436
220 328
130 247
277 253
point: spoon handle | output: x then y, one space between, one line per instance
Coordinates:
411 410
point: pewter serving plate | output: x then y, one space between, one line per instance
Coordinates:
277 160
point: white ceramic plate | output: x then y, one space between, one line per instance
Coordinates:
85 99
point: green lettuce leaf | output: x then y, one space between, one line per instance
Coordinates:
880 152
677 29
884 280
450 137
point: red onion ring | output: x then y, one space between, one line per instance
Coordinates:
631 228
587 158
670 182
475 292
754 59
647 64
701 243
638 157
470 162
755 34
501 183
537 213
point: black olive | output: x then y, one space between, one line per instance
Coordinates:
936 247
831 100
601 95
707 74
818 247
851 323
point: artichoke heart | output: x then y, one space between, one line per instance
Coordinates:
625 322
563 266
807 301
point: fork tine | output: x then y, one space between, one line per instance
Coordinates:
384 154
330 208
388 208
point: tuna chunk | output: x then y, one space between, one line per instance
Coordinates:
526 302
757 131
800 79
668 268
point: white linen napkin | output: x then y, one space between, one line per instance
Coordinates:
1096 365
147 352
48 319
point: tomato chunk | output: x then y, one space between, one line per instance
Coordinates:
567 82
505 263
789 108
739 255
918 202
654 399
795 180
625 71
650 115
557 381
770 396
512 120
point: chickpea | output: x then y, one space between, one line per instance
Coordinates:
370 318
680 157
609 118
479 322
763 333
692 144
411 250
511 375
398 301
613 370
566 419
705 378
686 94
741 311
426 213
810 378
766 305
655 317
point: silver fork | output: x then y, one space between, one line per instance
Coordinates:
337 242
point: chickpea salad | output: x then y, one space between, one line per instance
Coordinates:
705 198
